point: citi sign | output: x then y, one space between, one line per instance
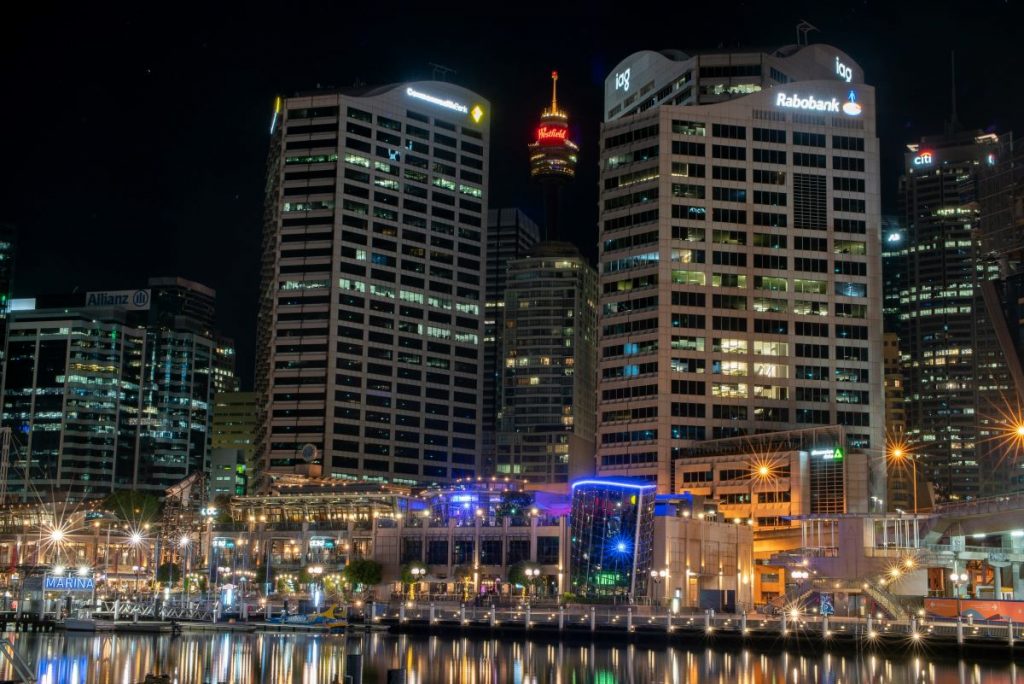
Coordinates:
851 107
923 159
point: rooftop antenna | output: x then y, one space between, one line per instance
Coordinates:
954 123
441 72
802 29
554 91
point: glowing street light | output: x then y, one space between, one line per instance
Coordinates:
899 453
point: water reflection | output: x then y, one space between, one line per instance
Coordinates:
256 658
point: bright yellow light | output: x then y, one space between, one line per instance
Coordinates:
1020 430
764 471
477 113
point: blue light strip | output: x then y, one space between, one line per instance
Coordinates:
613 483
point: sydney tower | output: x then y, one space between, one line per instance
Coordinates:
553 158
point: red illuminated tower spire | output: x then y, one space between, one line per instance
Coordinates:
553 157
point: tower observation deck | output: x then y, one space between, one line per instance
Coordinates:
553 157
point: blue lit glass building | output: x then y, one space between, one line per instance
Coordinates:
611 538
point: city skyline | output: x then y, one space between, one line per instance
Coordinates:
208 92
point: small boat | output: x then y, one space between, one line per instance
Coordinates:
326 620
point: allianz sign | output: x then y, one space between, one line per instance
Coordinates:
126 299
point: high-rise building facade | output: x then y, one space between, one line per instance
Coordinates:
8 249
232 441
369 342
106 394
959 380
510 234
739 254
547 419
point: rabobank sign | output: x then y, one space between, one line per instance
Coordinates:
67 583
137 300
809 102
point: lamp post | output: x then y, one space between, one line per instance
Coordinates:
183 543
531 574
657 576
959 579
417 571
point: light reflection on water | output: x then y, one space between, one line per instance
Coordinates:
287 659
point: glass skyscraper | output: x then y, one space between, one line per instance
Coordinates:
611 538
549 357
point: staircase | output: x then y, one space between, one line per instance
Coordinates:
798 594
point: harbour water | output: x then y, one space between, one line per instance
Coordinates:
126 658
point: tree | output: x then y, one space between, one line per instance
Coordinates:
168 572
132 506
407 575
364 572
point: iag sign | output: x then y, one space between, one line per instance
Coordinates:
622 81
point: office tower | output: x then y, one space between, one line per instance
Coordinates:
894 265
739 254
547 418
959 382
8 248
369 354
232 442
510 233
103 394
553 157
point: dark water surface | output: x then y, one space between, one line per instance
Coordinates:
255 658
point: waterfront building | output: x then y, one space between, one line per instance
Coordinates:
549 353
739 255
612 533
106 392
510 234
701 562
369 354
962 386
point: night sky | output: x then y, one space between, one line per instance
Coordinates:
135 141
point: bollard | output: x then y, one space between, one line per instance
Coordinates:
354 667
707 620
593 619
743 623
432 613
561 618
629 619
526 617
959 632
782 623
462 614
117 609
1009 633
824 625
216 611
401 611
970 619
492 620
913 624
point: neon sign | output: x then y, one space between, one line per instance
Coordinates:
795 101
844 72
622 81
552 134
923 159
447 103
851 107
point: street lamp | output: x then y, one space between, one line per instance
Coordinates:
417 571
183 543
531 575
657 576
959 579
